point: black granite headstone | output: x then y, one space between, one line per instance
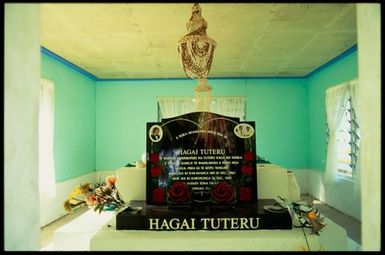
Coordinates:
201 158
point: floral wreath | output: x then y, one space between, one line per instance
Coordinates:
101 196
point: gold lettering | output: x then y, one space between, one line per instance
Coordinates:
251 223
225 222
244 223
154 223
205 222
177 223
218 224
234 223
185 224
192 223
164 225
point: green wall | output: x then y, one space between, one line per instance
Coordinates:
74 135
100 125
278 106
122 110
343 70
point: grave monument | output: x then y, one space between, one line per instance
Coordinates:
201 166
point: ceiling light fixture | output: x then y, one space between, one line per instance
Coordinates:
196 52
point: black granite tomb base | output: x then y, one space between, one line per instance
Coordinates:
203 217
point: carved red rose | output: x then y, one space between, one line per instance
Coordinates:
155 171
244 194
223 192
158 195
154 157
248 156
248 170
179 192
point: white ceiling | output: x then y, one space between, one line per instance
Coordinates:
125 41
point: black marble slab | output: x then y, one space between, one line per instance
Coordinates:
203 217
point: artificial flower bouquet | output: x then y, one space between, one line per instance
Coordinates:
100 196
304 214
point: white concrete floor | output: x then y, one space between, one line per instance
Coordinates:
47 232
352 226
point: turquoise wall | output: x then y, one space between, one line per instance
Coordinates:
74 135
279 107
343 70
101 124
122 110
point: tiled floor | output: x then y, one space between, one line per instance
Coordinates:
352 226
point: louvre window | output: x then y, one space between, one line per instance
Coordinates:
348 140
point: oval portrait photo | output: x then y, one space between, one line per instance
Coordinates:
244 130
155 133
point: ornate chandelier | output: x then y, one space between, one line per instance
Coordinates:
196 52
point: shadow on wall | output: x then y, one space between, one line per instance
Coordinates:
51 207
339 194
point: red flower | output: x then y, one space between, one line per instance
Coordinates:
154 157
248 156
158 195
248 170
155 171
244 194
222 192
111 180
179 192
91 199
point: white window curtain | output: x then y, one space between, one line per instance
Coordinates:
336 99
173 106
233 106
230 106
46 138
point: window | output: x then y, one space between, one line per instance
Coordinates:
348 139
343 136
46 138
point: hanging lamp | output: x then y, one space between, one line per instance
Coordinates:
196 51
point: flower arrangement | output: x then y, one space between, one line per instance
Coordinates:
305 214
101 196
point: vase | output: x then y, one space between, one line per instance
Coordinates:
294 190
